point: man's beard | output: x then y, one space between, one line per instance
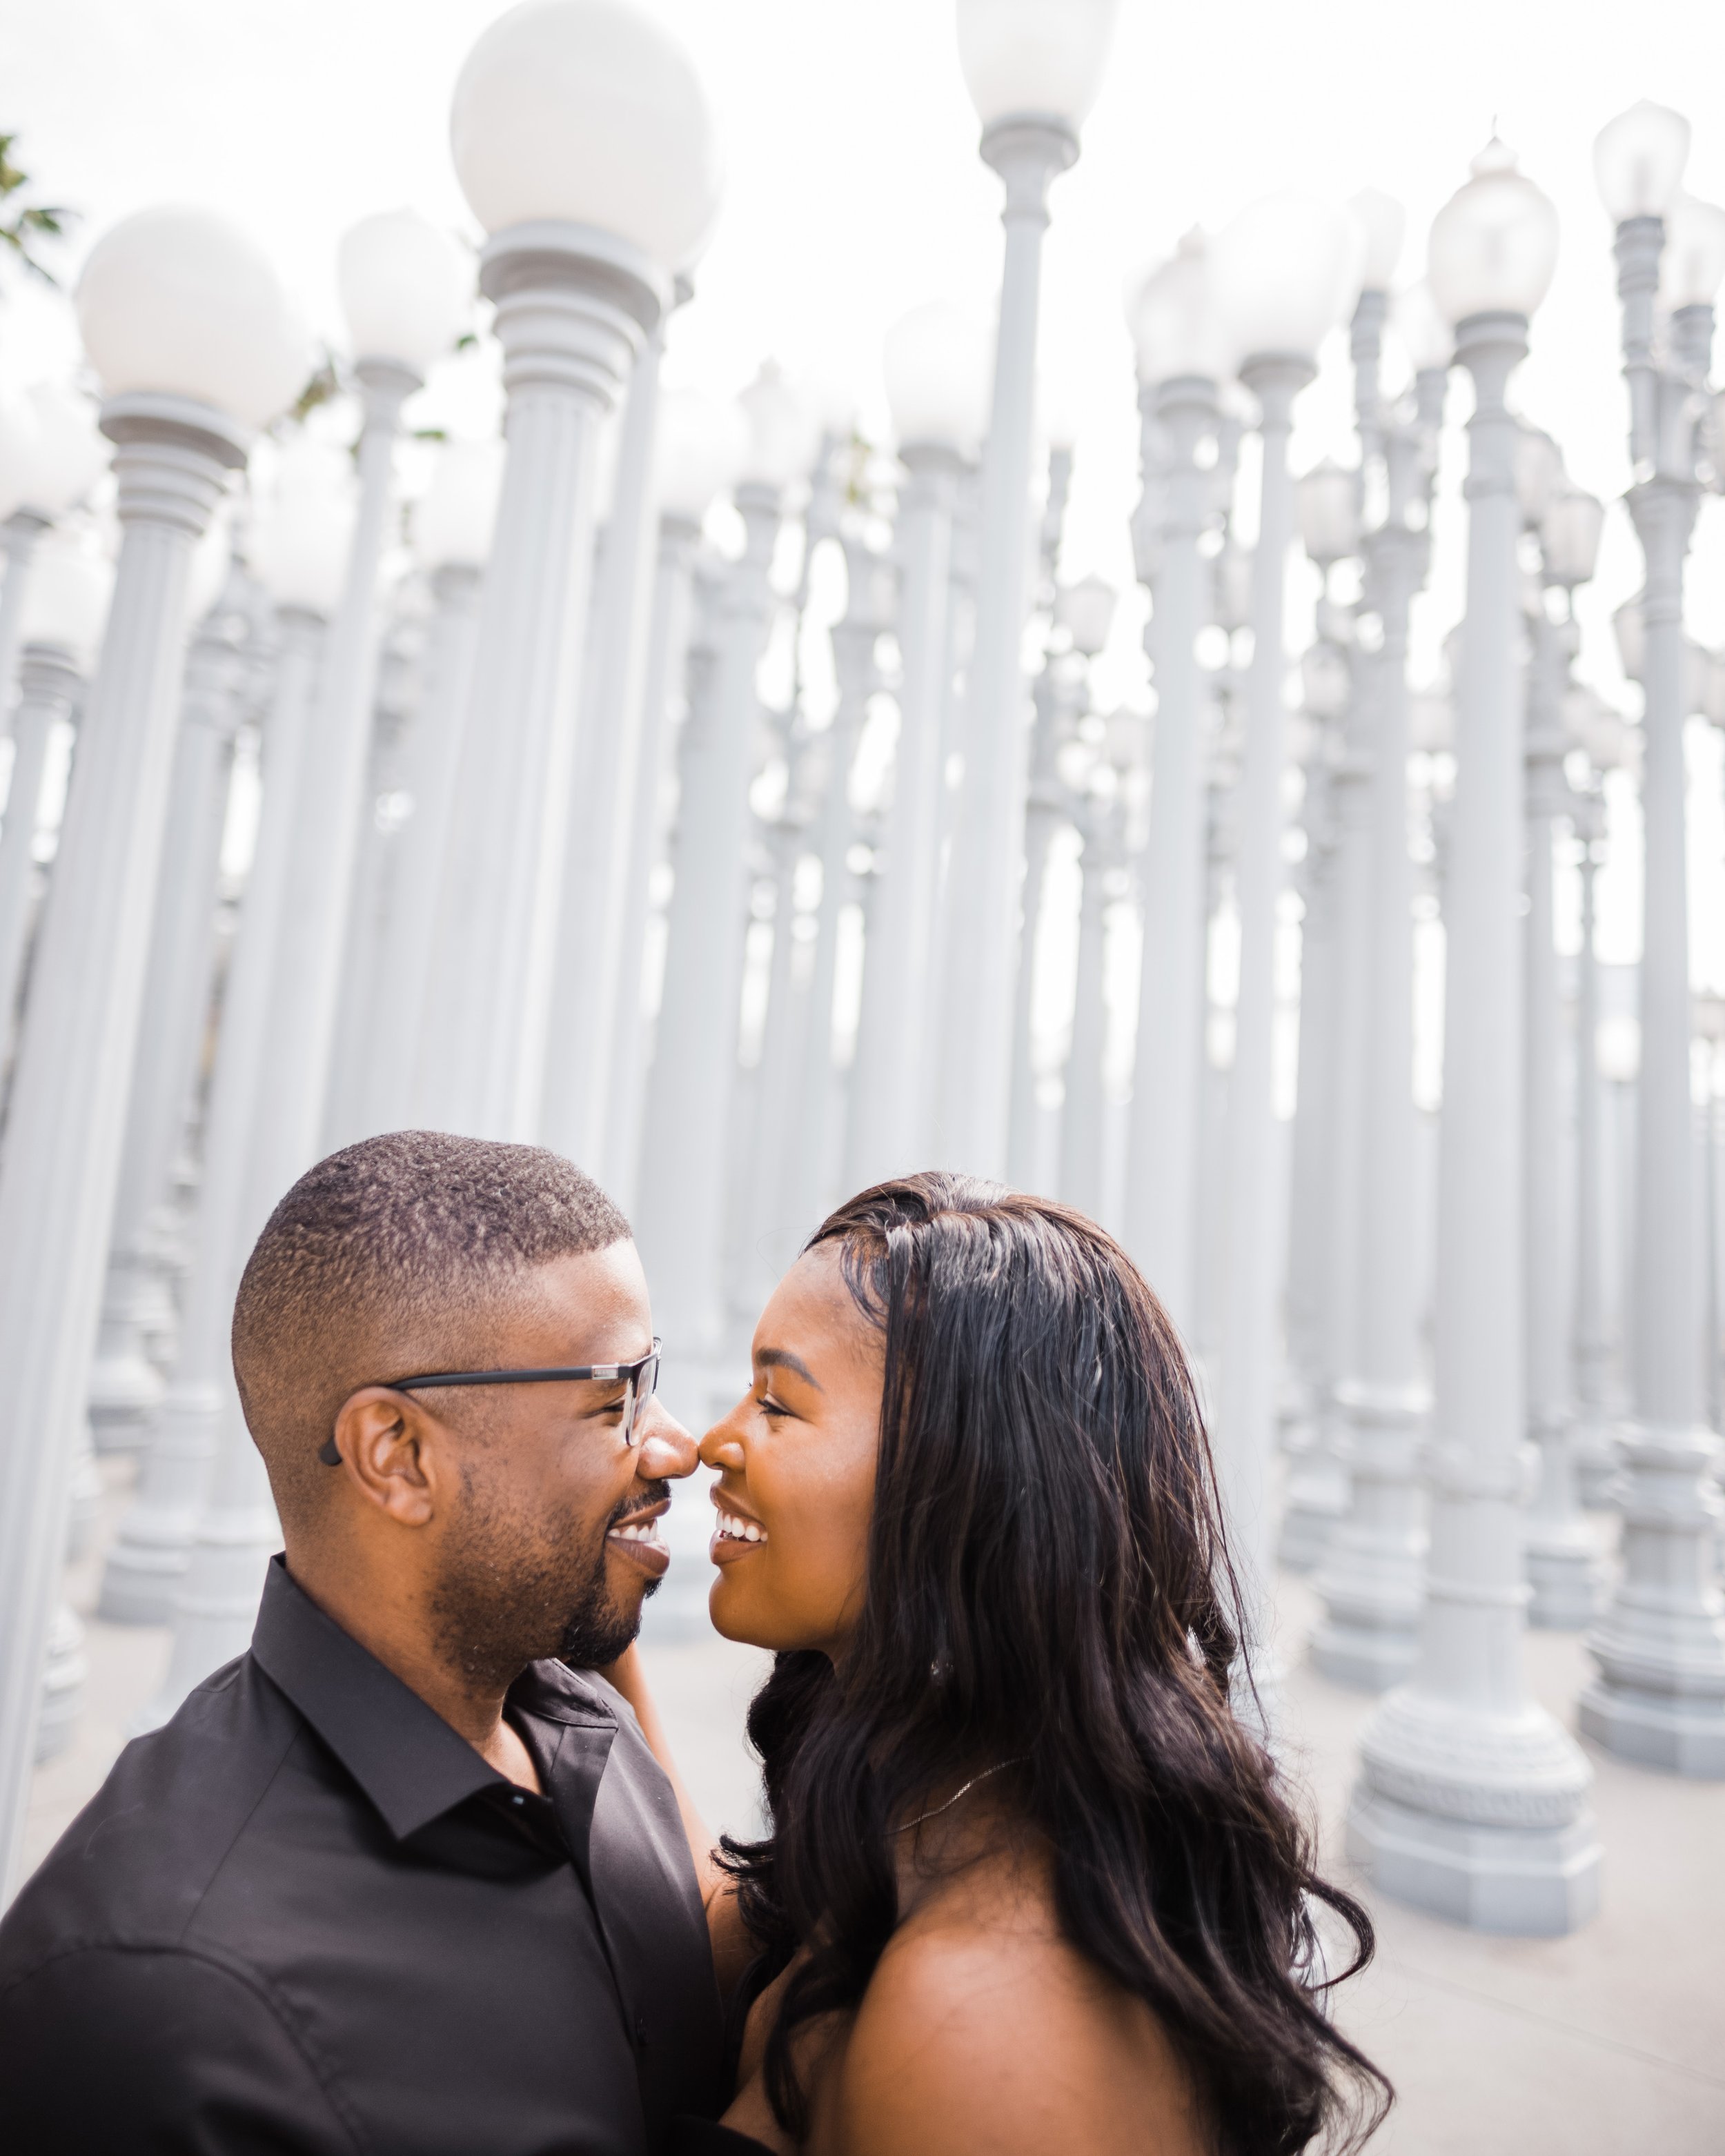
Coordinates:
513 1593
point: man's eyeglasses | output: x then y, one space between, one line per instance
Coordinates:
640 1379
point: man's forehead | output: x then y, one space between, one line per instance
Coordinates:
593 1301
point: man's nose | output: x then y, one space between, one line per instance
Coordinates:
668 1452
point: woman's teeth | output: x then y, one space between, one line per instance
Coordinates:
732 1529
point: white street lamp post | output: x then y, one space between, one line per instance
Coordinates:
147 1562
935 364
1471 1799
1590 1346
868 613
125 1387
1371 1584
1660 1694
1564 1564
1182 355
1032 71
702 446
681 1206
403 293
590 926
193 337
51 454
1280 274
452 537
1337 685
588 216
50 687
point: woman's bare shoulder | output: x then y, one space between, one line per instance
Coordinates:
989 2034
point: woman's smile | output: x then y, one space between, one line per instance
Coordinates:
738 1534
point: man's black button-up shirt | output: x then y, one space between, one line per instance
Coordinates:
308 1917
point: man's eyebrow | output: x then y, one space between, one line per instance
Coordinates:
781 1358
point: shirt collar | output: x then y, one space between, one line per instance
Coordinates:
408 1761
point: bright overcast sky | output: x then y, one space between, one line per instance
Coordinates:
855 192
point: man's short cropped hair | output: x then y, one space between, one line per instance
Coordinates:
391 1256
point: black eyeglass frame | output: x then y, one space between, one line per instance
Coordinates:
641 1376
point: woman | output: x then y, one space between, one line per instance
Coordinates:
1030 1885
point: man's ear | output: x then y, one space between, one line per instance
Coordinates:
393 1453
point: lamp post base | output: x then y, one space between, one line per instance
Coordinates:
1520 1882
1478 1816
1567 1574
1659 1697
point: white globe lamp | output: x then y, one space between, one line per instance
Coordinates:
935 364
66 605
1639 159
454 519
589 112
1178 330
1494 244
702 444
406 289
1041 57
180 302
1284 273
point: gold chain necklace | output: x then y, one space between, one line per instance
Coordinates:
999 1768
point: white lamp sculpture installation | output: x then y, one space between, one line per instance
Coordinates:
1659 1693
51 454
702 444
935 362
1283 273
1371 1580
682 1171
196 346
1034 69
298 548
1183 356
126 1385
59 628
1472 1799
404 292
451 535
584 144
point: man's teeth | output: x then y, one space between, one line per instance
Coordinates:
740 1531
642 1531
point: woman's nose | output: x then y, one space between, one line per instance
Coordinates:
721 1446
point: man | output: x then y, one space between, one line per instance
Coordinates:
398 1880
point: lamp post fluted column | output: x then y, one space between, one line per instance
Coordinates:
1590 1346
892 1074
1372 1581
868 611
604 772
1246 1394
1161 1139
1563 1558
1471 1799
668 647
62 1157
573 309
1084 1113
18 535
1658 1696
125 1387
146 1565
434 752
974 1073
49 686
217 1600
681 1205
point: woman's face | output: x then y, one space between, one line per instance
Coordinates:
797 1454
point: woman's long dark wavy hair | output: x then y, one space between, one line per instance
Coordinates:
1047 1577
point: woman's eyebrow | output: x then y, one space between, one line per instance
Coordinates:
781 1358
